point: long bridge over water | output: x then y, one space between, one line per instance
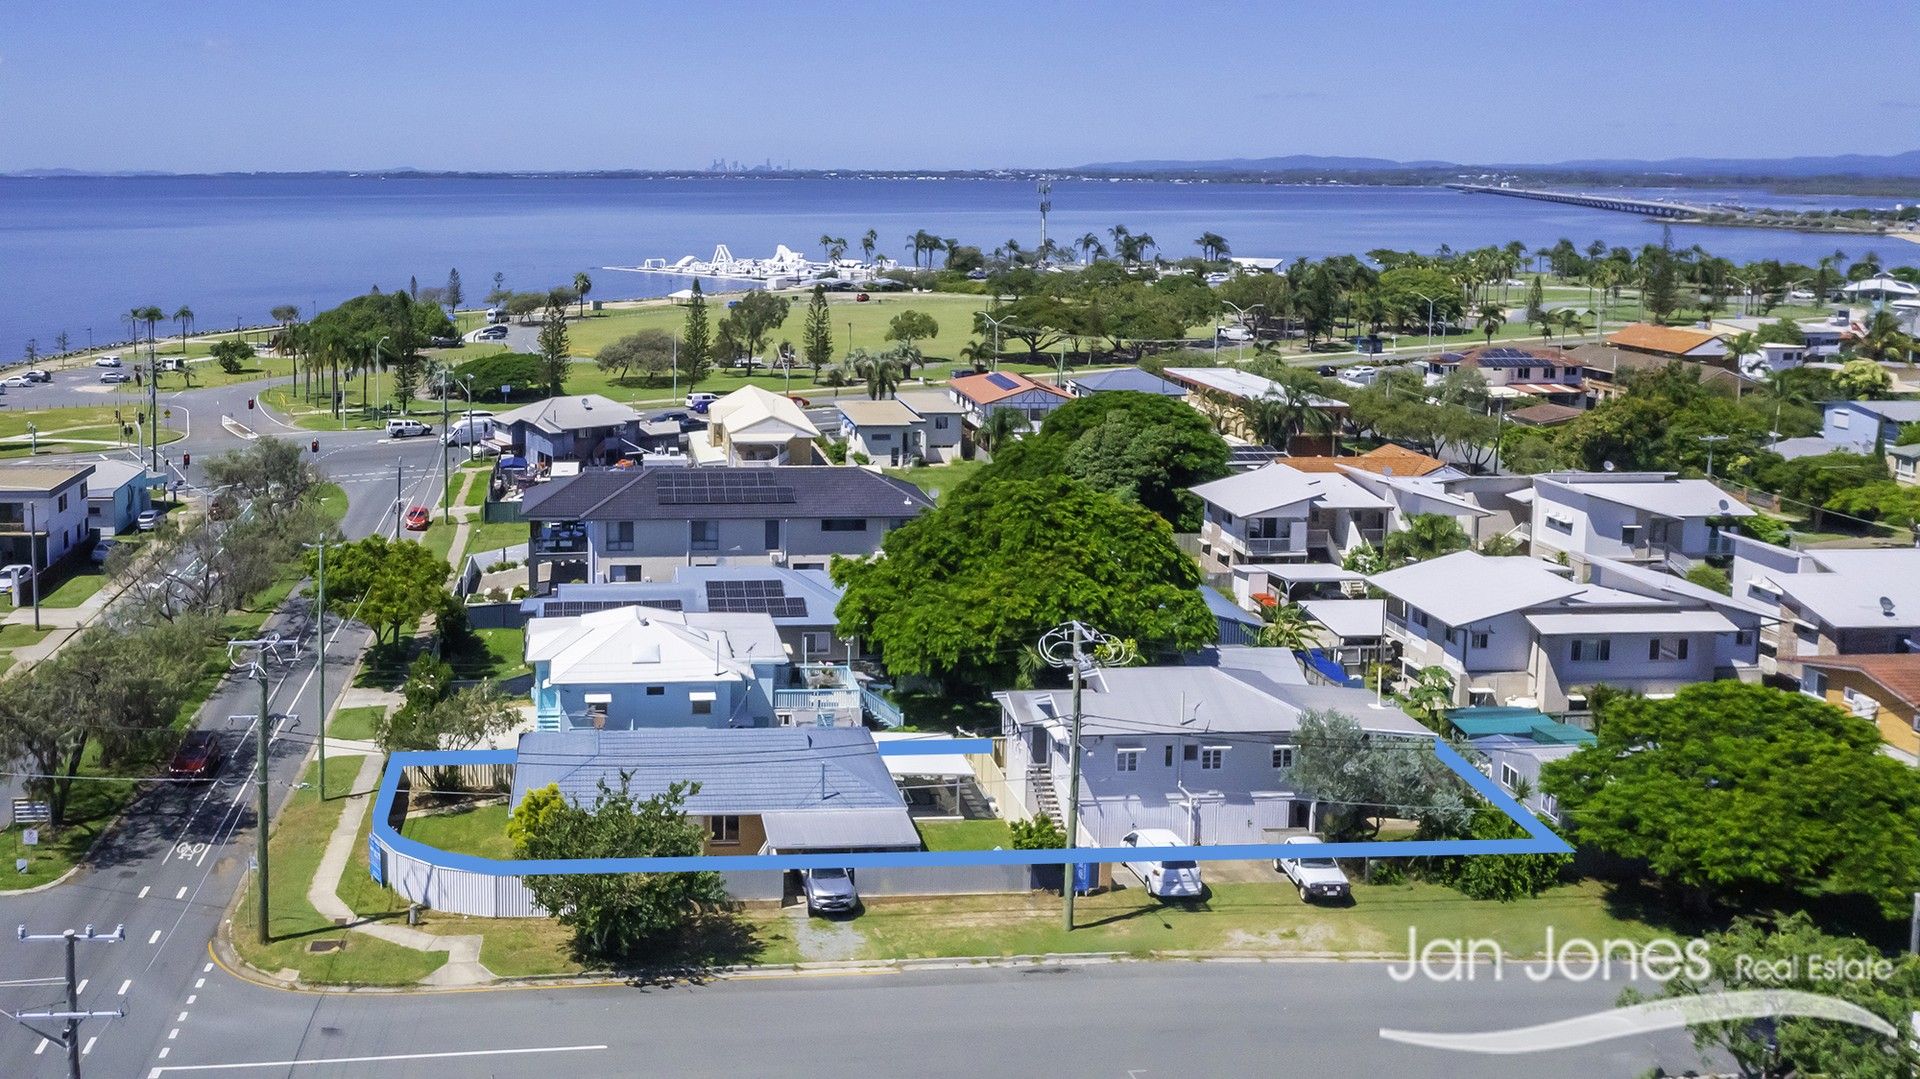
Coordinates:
1618 203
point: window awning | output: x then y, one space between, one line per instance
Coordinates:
702 695
599 698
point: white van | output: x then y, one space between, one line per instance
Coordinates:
469 429
407 428
497 316
700 402
1164 880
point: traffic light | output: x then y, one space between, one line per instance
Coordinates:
186 460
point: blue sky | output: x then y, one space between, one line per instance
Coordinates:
299 84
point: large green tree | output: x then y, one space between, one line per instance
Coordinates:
753 318
620 917
1744 790
554 360
962 589
816 342
696 342
650 352
386 584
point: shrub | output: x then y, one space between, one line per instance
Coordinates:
518 370
1037 833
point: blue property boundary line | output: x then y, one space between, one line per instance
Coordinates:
1541 839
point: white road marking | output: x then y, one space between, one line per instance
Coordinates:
174 1033
200 984
124 986
164 1050
208 969
182 893
41 1048
88 1048
191 997
155 1073
144 891
82 987
182 1019
155 939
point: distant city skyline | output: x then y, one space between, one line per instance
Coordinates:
229 86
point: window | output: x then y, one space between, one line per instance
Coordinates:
1667 648
723 830
1630 535
1477 640
1560 522
705 535
1190 752
1523 373
1509 777
1595 650
844 524
940 423
656 691
1282 757
1168 762
1839 418
1127 760
773 535
1743 638
63 502
620 536
1809 635
1452 635
1417 617
1813 683
1212 757
816 642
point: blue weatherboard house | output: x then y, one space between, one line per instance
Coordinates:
1859 425
633 668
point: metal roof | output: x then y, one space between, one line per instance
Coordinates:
1135 379
1575 623
1270 487
1508 720
878 413
753 770
1349 619
1668 498
571 412
841 829
1467 586
743 492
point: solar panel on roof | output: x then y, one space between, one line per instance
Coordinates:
697 488
754 597
1002 381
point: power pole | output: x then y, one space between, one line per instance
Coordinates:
258 668
446 482
399 496
33 556
69 1038
1066 646
153 406
320 645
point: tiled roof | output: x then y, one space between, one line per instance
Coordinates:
1545 414
1403 461
992 386
1666 340
679 494
1505 356
1898 673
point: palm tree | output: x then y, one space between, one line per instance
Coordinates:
1089 243
978 353
582 284
1001 427
1426 535
869 243
1742 344
184 318
1570 322
1287 627
1492 318
1213 246
1884 340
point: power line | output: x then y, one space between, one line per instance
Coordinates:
72 1015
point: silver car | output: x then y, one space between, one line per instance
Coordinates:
829 891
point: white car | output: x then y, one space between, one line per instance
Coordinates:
107 361
16 382
103 549
1317 878
1164 879
14 577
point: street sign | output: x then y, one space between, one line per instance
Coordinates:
20 865
30 837
27 811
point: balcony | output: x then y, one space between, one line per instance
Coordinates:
1270 545
822 694
560 539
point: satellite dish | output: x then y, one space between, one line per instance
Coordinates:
1386 470
1886 606
1608 465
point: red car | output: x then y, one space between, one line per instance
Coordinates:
418 518
862 298
198 757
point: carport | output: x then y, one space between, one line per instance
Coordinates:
934 784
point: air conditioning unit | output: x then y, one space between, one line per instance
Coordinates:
778 558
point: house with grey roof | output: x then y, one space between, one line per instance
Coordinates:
1278 513
1650 517
1131 379
754 791
640 524
1827 602
1524 632
801 602
43 513
943 420
117 493
1205 751
1861 425
580 427
884 432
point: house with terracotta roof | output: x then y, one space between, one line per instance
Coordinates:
1671 342
1883 688
1511 371
1544 414
1384 460
1608 368
980 395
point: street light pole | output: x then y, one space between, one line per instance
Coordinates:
33 561
320 645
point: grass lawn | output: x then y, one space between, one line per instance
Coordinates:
475 492
15 636
938 479
333 500
438 537
77 588
1235 917
494 653
965 834
490 536
92 807
355 723
480 831
299 839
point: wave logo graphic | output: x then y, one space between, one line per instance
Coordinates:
1647 1018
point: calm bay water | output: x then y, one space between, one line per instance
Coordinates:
75 253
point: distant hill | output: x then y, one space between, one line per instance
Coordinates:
1903 165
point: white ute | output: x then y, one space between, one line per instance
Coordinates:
1164 880
1317 878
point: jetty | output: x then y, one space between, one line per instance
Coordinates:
1618 203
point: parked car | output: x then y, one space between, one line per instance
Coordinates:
445 342
418 518
16 382
483 449
407 428
115 376
700 402
14 577
667 417
829 891
1163 879
491 333
103 549
862 298
199 757
148 520
106 361
1317 878
38 375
